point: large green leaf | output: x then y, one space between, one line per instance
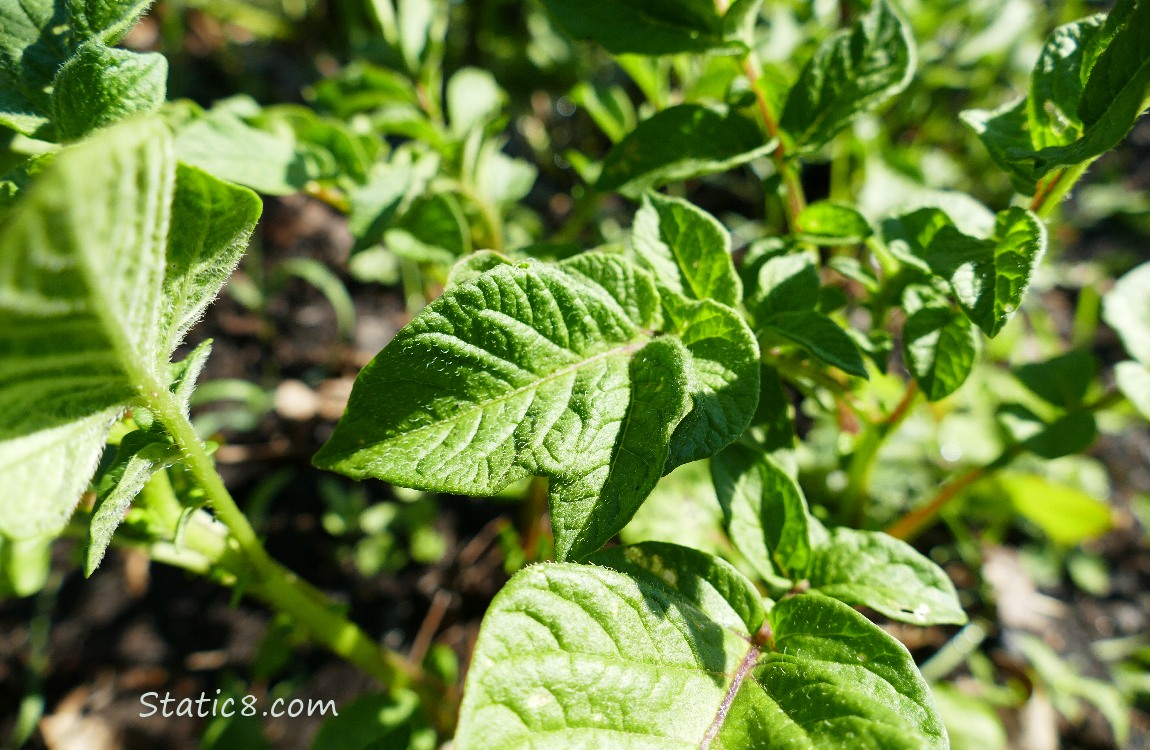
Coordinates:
990 277
852 72
1126 309
878 571
99 85
92 301
647 27
526 369
765 513
671 650
685 141
686 248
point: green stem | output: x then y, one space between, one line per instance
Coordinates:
244 556
1050 193
866 451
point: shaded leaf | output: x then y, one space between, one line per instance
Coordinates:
1063 380
822 337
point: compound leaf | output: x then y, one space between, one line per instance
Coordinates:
686 248
678 143
852 72
888 575
670 650
526 369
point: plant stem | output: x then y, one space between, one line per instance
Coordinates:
795 199
277 586
1051 191
866 450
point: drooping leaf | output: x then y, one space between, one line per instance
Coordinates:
661 655
1062 380
940 347
822 337
686 248
678 143
990 277
1126 309
99 85
527 369
826 223
647 27
852 72
888 575
722 377
765 512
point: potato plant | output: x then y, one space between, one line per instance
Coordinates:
593 371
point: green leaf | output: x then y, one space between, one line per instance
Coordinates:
211 223
377 720
648 27
852 72
473 99
105 20
940 347
1114 95
678 143
1005 132
24 565
765 513
822 337
141 454
99 86
223 144
722 377
686 248
772 416
826 223
1066 514
784 283
34 41
875 570
1134 381
610 108
1126 309
990 276
1063 380
1069 434
1056 84
662 657
527 369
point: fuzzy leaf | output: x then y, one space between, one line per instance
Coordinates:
527 369
106 20
679 143
34 41
661 655
100 85
990 277
852 72
686 248
878 571
765 513
647 27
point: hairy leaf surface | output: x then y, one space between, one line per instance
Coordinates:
99 85
665 648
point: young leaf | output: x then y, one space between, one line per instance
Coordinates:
99 85
940 347
647 27
765 513
990 277
105 20
722 377
822 337
1126 309
888 575
671 652
141 454
852 72
686 248
678 143
826 223
527 369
